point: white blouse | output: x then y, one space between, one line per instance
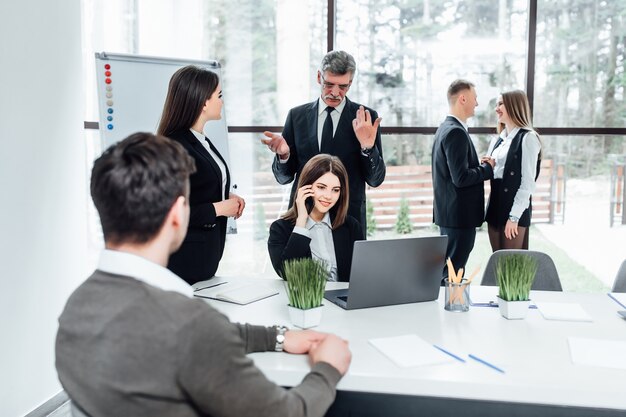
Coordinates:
530 153
322 245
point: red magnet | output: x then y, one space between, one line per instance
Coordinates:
107 80
107 73
107 66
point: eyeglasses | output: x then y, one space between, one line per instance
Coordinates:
330 86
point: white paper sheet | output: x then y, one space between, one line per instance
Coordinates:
563 311
598 352
410 350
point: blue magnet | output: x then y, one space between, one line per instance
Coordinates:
109 118
110 111
110 126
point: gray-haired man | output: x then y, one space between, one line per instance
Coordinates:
350 133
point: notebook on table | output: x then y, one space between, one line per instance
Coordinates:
395 271
236 292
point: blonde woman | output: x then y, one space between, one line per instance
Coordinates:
517 155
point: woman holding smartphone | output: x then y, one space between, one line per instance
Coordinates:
193 98
317 224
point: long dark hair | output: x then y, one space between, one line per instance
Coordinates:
189 89
312 171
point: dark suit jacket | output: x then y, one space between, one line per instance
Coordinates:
284 245
300 132
458 178
201 251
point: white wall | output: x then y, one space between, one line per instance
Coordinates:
42 191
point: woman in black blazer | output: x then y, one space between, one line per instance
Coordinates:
517 155
193 98
317 225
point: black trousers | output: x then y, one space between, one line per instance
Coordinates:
460 244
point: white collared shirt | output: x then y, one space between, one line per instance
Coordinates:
530 153
322 114
204 141
141 269
322 245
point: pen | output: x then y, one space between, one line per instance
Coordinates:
494 304
210 286
450 354
484 362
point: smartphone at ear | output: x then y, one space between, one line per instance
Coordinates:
309 204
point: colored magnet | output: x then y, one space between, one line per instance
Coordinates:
109 103
107 73
107 66
110 110
109 94
109 88
107 80
109 118
110 126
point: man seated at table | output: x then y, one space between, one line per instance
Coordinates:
132 340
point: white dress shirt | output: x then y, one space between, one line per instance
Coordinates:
141 269
322 245
530 153
204 141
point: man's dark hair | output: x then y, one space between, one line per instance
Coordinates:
456 87
134 184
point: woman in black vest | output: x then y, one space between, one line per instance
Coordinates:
193 98
318 225
517 153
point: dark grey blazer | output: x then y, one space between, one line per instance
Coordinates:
300 132
458 178
201 251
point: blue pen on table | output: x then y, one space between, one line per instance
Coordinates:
210 286
450 354
484 362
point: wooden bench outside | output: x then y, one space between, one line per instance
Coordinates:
413 183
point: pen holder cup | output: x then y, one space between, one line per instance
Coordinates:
457 296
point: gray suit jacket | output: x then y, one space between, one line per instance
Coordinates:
125 348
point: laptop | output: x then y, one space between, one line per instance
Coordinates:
395 271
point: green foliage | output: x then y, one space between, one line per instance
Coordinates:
306 281
370 219
403 224
515 275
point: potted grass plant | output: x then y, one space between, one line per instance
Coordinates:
305 284
515 275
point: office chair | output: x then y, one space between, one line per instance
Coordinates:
619 285
547 278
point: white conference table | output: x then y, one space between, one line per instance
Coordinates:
533 352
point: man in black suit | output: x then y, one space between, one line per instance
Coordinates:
335 125
458 176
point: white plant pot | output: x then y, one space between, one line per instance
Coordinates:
305 319
513 310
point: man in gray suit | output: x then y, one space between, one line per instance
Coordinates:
132 339
458 176
335 125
